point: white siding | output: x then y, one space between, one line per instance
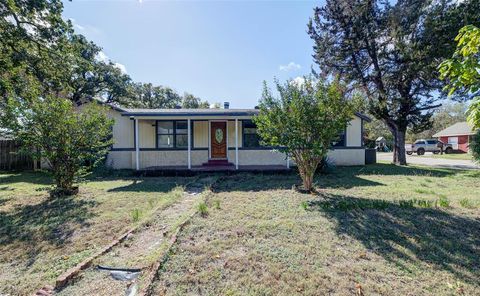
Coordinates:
354 133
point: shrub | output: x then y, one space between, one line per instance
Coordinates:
303 121
72 141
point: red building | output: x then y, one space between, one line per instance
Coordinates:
458 135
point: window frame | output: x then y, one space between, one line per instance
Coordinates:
173 134
260 146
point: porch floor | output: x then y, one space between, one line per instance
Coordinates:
216 168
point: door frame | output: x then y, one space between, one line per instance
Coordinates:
210 137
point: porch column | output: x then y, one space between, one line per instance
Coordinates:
288 162
236 143
137 146
189 144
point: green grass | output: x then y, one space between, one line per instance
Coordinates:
41 238
460 156
371 225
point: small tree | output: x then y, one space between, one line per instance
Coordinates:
71 141
303 121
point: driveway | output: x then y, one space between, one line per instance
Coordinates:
433 162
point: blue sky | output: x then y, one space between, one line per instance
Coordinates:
217 50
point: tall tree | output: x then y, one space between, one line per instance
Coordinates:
146 95
190 101
391 52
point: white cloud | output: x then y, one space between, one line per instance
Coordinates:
298 81
289 67
121 67
77 25
102 57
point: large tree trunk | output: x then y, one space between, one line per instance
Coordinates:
399 155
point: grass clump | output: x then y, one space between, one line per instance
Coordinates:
136 215
216 204
203 209
443 201
466 203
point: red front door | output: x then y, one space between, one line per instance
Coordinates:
218 139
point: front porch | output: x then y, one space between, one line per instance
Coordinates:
185 171
197 140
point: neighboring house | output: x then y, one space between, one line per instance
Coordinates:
459 135
200 138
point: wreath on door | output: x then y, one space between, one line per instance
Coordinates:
219 135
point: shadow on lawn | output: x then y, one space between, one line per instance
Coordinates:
408 235
340 177
146 185
38 178
52 221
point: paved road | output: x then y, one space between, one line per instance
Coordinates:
434 162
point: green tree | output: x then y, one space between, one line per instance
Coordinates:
391 53
462 70
463 76
72 141
146 95
190 101
303 121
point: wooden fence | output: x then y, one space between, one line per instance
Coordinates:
11 159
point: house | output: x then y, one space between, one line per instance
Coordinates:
199 139
459 135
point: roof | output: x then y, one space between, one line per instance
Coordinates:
202 112
190 112
458 129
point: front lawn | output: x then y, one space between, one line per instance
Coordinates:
462 156
41 238
383 229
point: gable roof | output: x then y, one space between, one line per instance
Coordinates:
458 129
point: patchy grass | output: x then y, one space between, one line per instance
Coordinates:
376 230
41 238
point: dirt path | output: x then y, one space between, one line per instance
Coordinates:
139 250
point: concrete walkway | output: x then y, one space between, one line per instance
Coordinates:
433 162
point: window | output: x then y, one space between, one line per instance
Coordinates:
250 136
420 142
181 134
340 141
452 140
172 134
431 142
